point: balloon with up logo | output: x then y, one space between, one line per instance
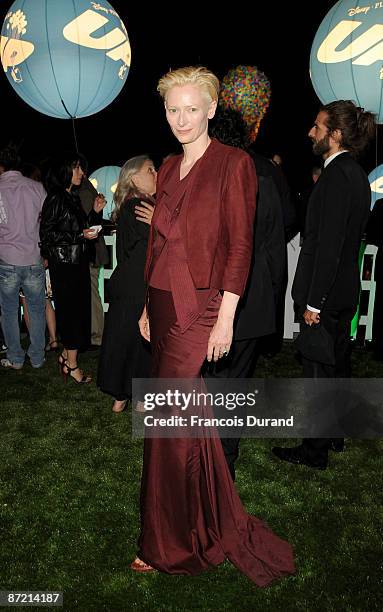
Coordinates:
376 183
105 180
65 58
347 55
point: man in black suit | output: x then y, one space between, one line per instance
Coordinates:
304 197
326 284
257 310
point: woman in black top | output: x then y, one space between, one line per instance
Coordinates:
64 233
124 353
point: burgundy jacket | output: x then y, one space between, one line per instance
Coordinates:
218 224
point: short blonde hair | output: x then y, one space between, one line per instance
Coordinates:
190 75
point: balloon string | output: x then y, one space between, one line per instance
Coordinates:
73 124
74 134
376 145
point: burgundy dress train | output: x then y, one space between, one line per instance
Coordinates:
191 515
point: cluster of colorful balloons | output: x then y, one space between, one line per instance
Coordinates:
246 90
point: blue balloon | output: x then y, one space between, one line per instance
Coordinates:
105 180
347 56
65 58
376 183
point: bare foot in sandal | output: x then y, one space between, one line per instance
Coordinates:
140 407
140 566
119 405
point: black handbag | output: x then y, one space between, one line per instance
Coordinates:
316 344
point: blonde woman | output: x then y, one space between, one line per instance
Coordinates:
124 353
197 266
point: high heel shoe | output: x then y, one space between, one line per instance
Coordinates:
61 361
67 371
52 346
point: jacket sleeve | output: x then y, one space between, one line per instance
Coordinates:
95 218
275 245
239 211
130 231
333 219
51 229
374 229
141 229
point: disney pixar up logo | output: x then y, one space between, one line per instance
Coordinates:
97 27
347 54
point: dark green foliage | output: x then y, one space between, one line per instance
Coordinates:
69 492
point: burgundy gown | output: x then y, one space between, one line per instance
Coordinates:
191 515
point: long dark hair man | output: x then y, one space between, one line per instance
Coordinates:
326 284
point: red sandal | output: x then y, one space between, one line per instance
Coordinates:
140 566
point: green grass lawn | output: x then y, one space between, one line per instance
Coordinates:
69 489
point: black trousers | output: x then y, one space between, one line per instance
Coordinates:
240 363
71 296
338 324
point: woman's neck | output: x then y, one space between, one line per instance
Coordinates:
194 150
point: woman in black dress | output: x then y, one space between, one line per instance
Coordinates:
124 353
64 233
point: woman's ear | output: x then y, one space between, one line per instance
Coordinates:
212 109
